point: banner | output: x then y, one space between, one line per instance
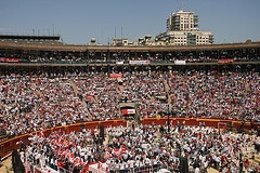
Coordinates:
139 62
161 97
115 75
89 98
98 167
120 62
179 62
129 105
225 61
128 111
11 60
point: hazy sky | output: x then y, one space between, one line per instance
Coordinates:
77 21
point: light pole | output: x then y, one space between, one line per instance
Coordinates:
168 118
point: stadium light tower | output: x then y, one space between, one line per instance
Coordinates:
168 110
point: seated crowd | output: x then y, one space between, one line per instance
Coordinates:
129 149
31 102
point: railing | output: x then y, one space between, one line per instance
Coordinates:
14 143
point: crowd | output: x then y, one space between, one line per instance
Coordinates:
101 95
115 57
127 148
233 95
143 89
30 102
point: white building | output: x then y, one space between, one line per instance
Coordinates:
182 21
182 29
177 38
146 40
200 38
120 42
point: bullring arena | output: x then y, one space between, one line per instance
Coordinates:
78 108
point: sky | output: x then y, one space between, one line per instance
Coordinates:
77 21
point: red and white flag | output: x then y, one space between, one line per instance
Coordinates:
128 111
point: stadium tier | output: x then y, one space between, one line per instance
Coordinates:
187 100
11 52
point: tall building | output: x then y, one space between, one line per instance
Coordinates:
182 21
183 29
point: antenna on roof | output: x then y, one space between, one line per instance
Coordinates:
115 31
121 32
52 29
181 3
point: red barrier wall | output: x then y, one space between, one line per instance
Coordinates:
7 146
197 121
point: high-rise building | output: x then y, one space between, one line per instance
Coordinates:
182 21
183 29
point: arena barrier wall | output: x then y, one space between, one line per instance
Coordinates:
6 147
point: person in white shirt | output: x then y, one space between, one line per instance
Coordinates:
197 170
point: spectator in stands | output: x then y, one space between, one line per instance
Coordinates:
142 148
39 101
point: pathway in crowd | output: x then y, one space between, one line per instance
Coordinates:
74 87
121 88
83 101
166 86
167 89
